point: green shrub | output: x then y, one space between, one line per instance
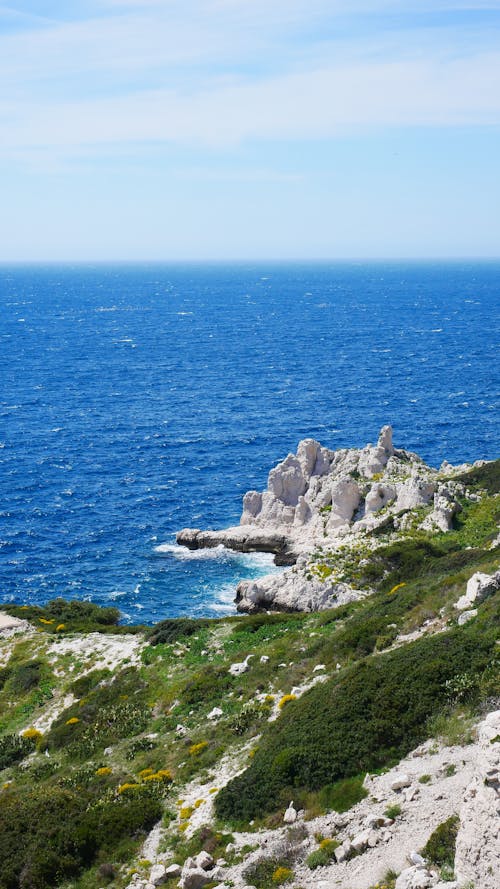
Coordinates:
62 831
13 748
318 858
172 629
24 677
392 812
324 855
76 616
111 711
85 684
343 795
440 847
206 685
261 874
369 716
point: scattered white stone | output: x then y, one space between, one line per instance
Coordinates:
264 659
239 668
319 667
416 858
157 875
400 781
290 815
466 616
414 878
204 860
215 713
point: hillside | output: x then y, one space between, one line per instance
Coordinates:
134 756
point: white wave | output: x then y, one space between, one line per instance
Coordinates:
263 561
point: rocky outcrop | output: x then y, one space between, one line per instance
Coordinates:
479 587
292 591
478 842
318 497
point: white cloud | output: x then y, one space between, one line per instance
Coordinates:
310 105
207 72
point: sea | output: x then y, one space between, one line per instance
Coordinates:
136 400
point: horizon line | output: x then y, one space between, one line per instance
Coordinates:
241 260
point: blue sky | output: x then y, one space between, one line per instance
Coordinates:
227 129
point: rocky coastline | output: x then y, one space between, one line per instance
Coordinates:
321 505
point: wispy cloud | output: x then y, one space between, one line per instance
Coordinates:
206 72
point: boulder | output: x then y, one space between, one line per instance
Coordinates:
173 870
290 815
192 876
366 838
157 875
239 668
466 616
479 587
204 860
400 781
414 878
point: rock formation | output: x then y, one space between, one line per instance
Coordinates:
323 500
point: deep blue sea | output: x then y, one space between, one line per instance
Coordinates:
139 399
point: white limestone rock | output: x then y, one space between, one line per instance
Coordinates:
479 587
415 877
241 667
157 875
292 591
445 508
290 815
400 781
478 842
466 616
379 496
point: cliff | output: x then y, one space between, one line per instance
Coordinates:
324 508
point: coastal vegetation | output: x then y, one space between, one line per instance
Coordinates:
99 743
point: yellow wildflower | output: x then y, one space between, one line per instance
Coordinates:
196 749
72 721
32 734
286 700
124 787
104 770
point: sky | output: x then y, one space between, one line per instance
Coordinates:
249 129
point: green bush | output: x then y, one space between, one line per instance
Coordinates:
393 811
172 629
440 847
368 717
50 834
343 795
24 677
81 617
111 711
13 748
318 858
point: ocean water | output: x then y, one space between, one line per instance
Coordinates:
139 399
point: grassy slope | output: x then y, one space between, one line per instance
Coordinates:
358 719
